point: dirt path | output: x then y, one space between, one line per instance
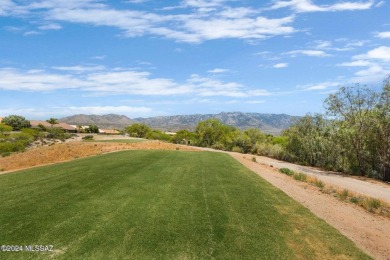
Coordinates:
370 188
370 232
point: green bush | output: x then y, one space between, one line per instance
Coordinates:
254 159
300 177
87 138
286 171
355 200
218 146
9 147
57 133
320 184
237 149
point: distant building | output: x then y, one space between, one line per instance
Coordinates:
1 119
109 131
63 126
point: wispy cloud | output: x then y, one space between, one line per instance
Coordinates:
52 26
312 53
304 6
319 86
103 81
281 65
383 35
194 25
373 65
381 53
218 70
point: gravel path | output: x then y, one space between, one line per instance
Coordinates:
371 188
370 232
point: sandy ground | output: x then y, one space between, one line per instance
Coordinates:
370 232
71 150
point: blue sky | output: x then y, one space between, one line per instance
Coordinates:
146 58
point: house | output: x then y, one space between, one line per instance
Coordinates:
63 126
109 131
1 119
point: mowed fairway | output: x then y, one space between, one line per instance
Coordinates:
159 205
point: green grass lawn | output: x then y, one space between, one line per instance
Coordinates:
121 141
159 205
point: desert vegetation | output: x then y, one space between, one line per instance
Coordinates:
352 137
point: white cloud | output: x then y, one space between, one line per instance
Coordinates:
302 6
280 65
381 53
383 35
101 81
219 21
79 69
319 86
52 26
218 70
375 63
312 53
357 63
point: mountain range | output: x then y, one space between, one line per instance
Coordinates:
268 123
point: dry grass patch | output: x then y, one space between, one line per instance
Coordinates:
74 150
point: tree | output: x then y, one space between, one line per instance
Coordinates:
138 130
52 121
212 131
352 108
93 129
16 122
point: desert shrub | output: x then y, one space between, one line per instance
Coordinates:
237 149
355 200
270 150
286 171
158 135
9 147
218 146
57 133
320 184
5 154
370 204
22 138
344 194
87 138
300 177
254 159
33 132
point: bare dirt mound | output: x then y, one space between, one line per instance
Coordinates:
73 150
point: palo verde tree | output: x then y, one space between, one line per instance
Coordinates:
16 122
138 130
212 131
